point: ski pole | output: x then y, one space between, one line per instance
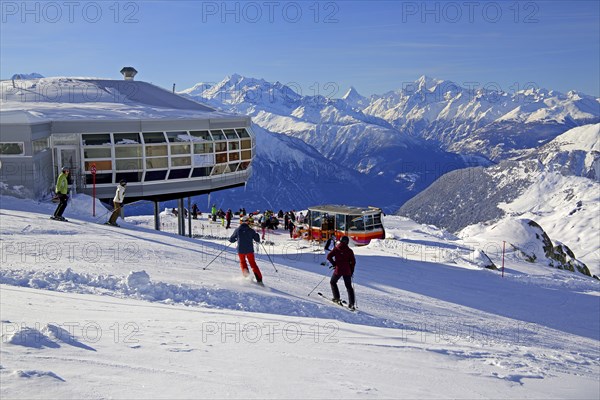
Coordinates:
355 301
318 284
263 246
217 256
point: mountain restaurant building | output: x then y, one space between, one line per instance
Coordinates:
164 145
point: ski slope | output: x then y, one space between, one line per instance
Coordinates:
91 311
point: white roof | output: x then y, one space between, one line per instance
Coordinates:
65 99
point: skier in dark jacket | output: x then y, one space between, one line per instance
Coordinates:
244 235
342 258
228 217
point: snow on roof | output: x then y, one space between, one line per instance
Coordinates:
62 98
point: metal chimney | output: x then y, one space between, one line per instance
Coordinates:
128 73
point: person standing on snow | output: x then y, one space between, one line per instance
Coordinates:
342 259
329 246
118 203
61 190
213 212
291 228
228 216
245 236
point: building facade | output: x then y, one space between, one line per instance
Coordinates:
164 145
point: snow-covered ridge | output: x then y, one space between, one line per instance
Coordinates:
557 186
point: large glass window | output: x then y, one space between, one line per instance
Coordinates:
217 134
233 167
12 149
234 145
181 161
101 165
179 173
129 176
230 134
71 139
157 162
96 152
100 179
156 175
178 136
246 144
94 139
242 132
220 146
128 151
235 156
156 150
199 172
246 155
221 158
40 145
204 160
203 148
127 138
219 169
180 149
202 135
154 137
129 164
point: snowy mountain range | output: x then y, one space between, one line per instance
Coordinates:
33 75
557 186
490 122
393 145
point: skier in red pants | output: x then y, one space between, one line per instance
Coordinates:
244 235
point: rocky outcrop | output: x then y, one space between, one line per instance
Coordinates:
558 256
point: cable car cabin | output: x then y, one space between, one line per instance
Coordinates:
359 224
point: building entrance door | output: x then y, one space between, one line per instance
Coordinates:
68 156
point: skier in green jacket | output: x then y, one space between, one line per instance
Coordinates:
62 190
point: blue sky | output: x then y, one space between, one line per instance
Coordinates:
375 46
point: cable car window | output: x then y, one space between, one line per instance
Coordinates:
356 223
315 217
368 219
340 222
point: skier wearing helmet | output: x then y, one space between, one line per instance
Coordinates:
61 190
342 259
245 236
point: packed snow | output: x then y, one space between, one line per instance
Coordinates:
91 311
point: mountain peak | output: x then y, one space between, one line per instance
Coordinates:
33 75
426 82
352 94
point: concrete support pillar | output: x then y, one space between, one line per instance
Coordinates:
157 215
181 217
